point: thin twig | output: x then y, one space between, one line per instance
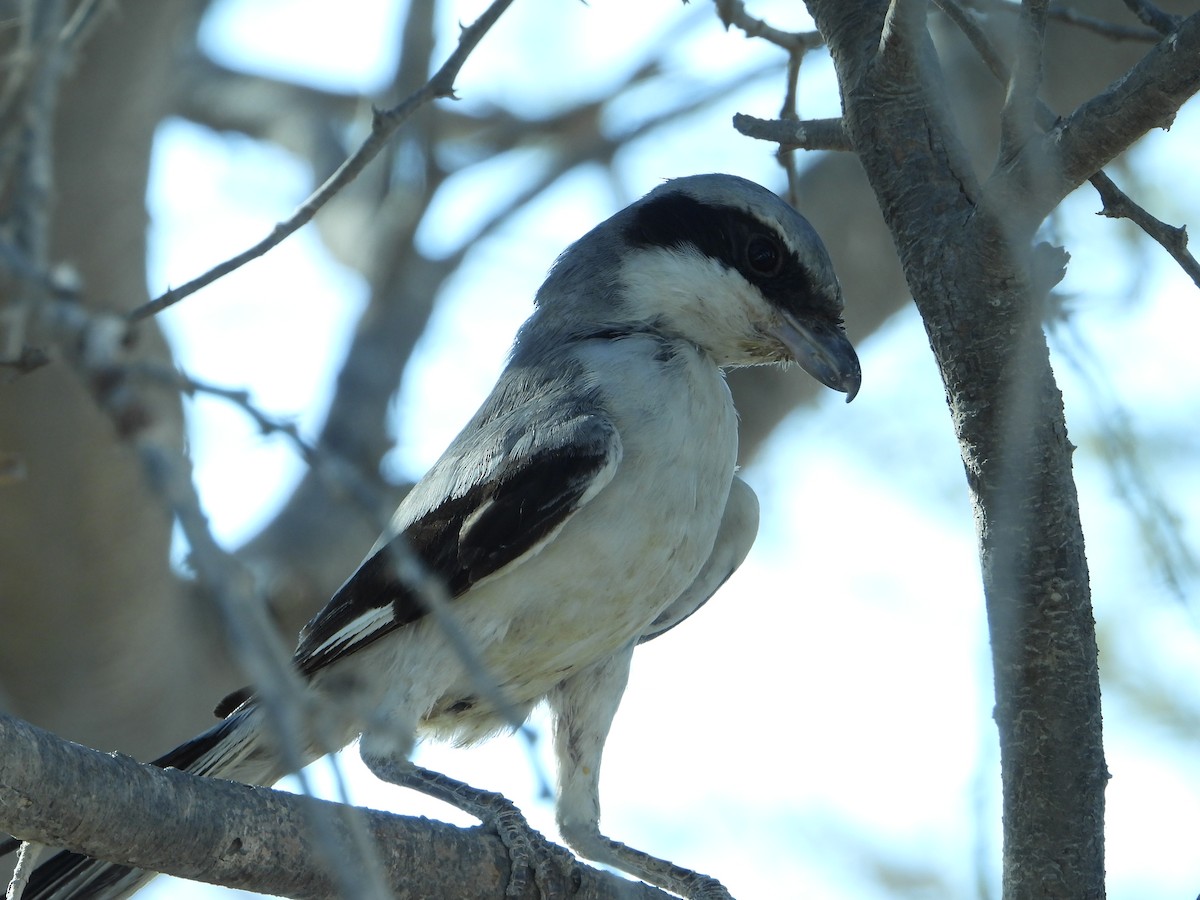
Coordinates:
1018 115
33 187
82 23
790 112
733 13
806 134
28 101
239 397
384 124
1027 76
1068 15
30 286
966 22
1149 14
594 147
1118 205
31 108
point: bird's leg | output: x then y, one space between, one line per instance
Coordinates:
584 706
651 869
528 850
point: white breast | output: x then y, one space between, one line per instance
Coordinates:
616 563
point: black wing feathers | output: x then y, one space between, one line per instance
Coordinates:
64 867
466 538
525 506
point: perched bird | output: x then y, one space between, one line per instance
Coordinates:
590 505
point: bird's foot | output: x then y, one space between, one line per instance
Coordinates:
531 855
529 852
705 887
591 844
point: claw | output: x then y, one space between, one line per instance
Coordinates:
529 852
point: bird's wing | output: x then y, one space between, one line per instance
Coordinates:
739 526
499 495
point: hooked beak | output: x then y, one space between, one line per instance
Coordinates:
823 351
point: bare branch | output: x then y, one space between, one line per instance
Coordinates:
1068 15
1147 97
733 13
293 715
35 123
297 117
1151 15
1018 117
297 717
805 134
338 472
969 26
82 22
1117 205
29 284
222 832
384 125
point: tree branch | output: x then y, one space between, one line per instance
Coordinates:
383 126
1068 15
221 832
969 272
1018 117
1151 15
1147 97
300 118
1116 203
82 23
791 134
966 22
33 97
732 13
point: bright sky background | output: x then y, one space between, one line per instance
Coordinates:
829 712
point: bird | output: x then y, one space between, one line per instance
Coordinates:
591 504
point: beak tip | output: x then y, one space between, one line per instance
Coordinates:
852 384
823 351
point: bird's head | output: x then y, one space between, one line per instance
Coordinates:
727 265
717 261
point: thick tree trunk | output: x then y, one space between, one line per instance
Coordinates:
970 273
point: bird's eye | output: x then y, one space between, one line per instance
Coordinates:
764 255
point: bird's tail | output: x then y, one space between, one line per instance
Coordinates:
235 748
